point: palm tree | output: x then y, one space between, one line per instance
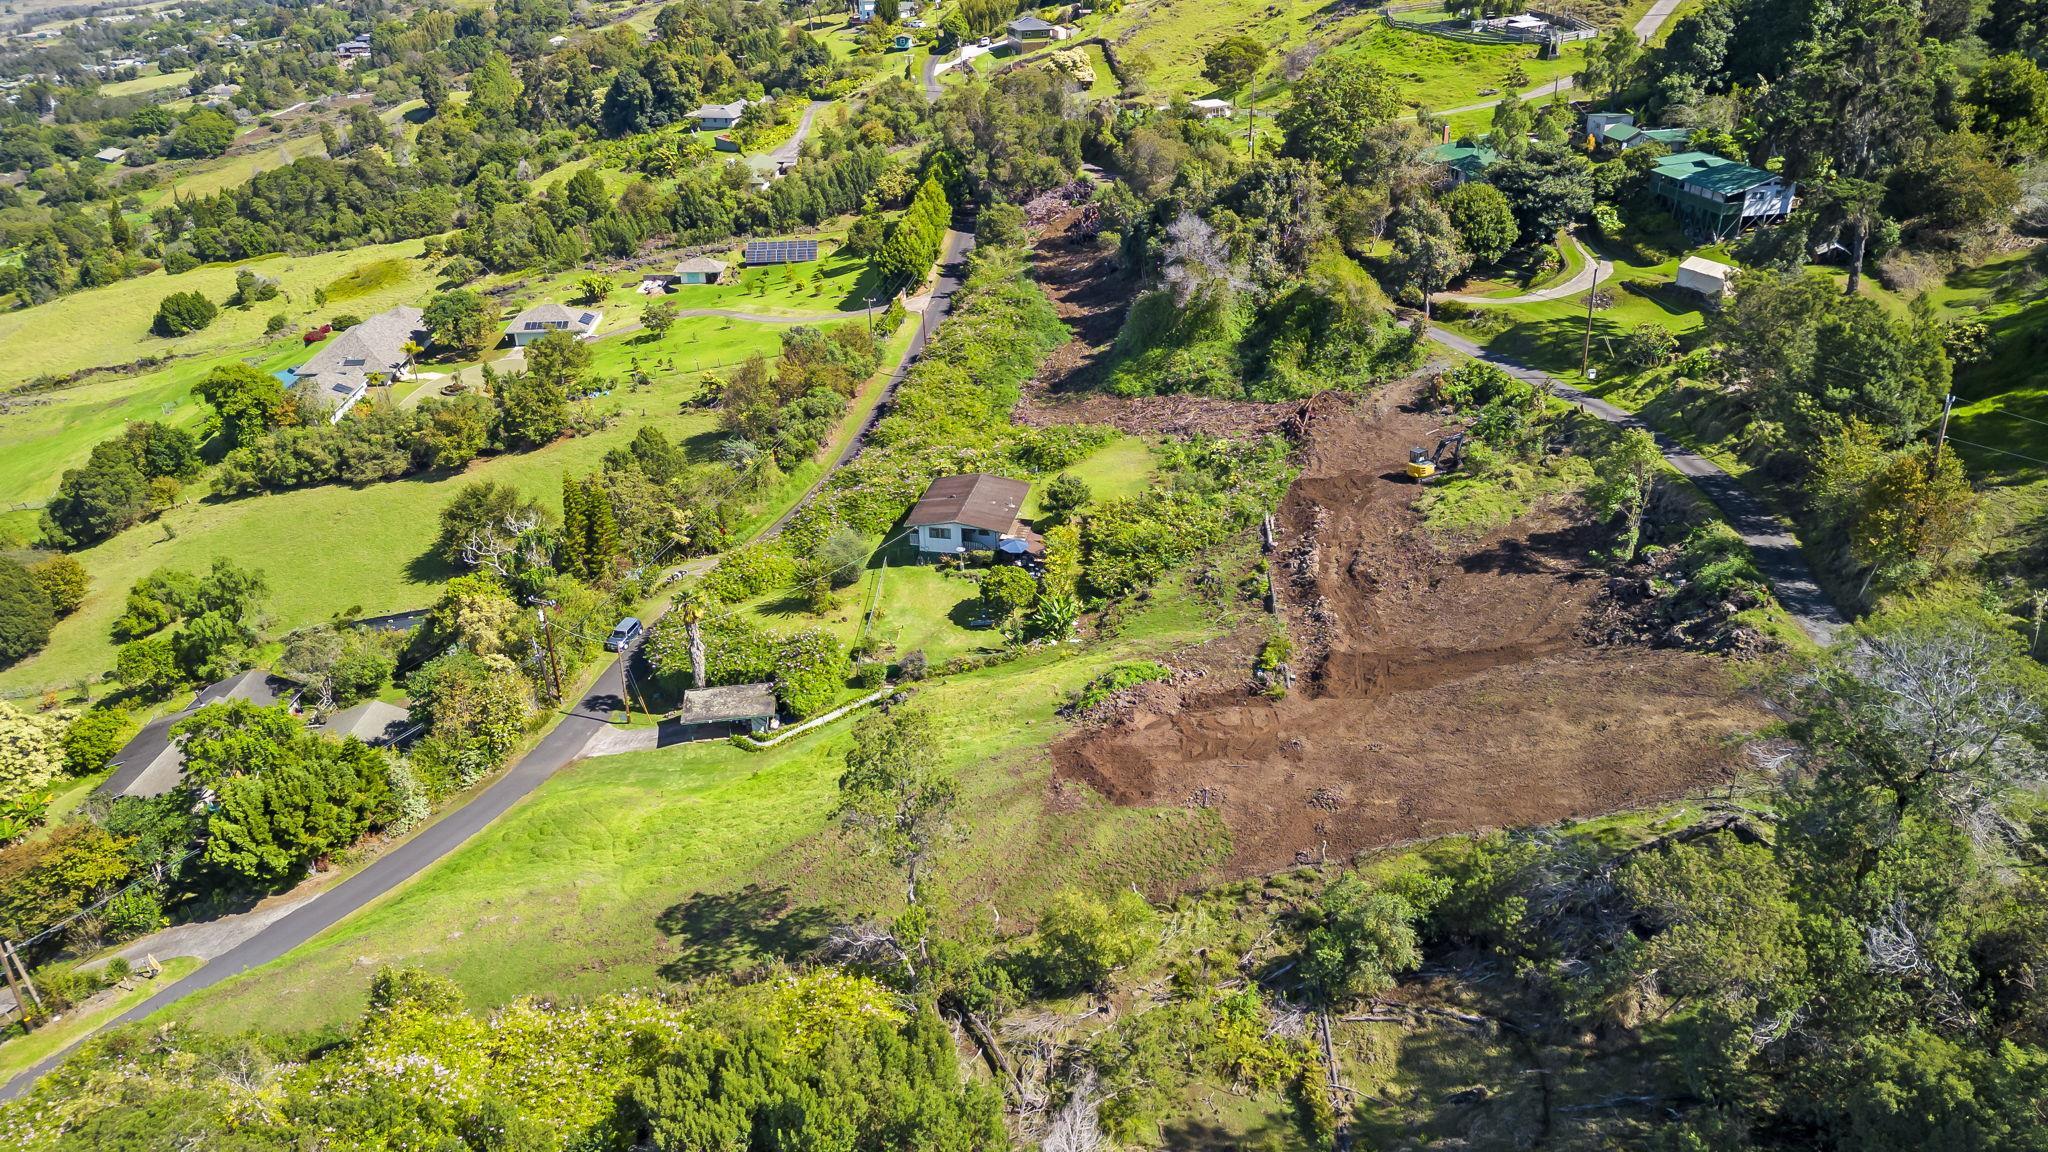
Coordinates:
693 604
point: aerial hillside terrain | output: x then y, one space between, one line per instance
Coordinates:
960 575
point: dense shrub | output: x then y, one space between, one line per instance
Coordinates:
183 313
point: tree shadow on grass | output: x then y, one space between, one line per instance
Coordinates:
718 932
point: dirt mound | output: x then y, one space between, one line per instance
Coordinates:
1439 690
1091 297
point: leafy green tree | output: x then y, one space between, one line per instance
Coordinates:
212 646
456 431
1916 509
657 317
474 706
1082 940
585 191
157 601
99 500
163 450
1336 103
1549 187
593 289
1483 219
51 877
183 313
484 524
1361 937
461 320
1626 473
895 795
532 409
1007 590
1232 63
247 401
1064 497
203 134
1426 256
282 796
810 672
92 739
148 667
874 1085
1611 63
25 616
2010 94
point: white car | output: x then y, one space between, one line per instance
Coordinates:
982 43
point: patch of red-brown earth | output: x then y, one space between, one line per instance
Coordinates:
1440 687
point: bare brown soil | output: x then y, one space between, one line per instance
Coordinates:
1439 690
1092 298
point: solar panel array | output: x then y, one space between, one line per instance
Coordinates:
781 251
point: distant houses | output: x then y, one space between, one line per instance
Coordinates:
967 513
380 349
110 155
351 50
542 319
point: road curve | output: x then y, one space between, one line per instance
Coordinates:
560 747
1583 279
1771 540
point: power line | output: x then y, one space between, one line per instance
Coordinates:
2001 451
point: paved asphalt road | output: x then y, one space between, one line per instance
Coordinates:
788 150
1770 538
556 750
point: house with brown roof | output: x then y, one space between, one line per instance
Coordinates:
974 512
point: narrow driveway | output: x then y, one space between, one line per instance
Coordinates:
788 150
1580 281
939 303
1770 539
560 747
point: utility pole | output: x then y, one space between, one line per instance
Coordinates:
17 979
1586 351
1948 404
547 632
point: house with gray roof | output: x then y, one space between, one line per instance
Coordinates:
378 351
153 763
542 319
699 270
374 722
719 117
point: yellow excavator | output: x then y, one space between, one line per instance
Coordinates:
1424 463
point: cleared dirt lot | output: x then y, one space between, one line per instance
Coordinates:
1441 689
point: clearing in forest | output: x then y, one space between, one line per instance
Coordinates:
1442 688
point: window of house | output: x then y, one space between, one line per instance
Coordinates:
938 533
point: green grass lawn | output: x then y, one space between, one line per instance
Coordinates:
623 869
20 1053
1164 41
150 81
326 549
1122 467
108 326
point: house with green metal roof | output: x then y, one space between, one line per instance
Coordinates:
1466 160
1715 198
1619 130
